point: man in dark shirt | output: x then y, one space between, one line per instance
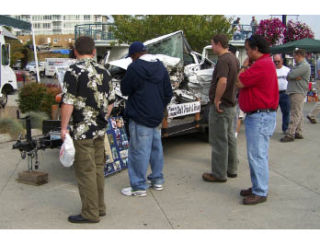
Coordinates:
222 113
88 98
147 85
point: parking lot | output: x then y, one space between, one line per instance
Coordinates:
187 202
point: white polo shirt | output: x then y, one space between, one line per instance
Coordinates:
282 77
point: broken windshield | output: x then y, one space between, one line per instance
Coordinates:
171 46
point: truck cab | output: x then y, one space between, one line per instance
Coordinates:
8 81
190 75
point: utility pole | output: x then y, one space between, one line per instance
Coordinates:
284 21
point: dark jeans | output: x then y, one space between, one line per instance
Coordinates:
284 103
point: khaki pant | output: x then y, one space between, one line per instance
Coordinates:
89 169
224 156
316 108
296 114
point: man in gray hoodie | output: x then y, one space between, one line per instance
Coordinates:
298 79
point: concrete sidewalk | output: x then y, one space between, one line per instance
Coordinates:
186 203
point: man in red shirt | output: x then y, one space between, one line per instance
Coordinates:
259 98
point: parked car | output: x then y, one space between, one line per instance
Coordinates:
31 67
52 63
17 65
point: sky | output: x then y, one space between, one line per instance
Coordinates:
307 11
313 21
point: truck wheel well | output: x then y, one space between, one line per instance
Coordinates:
7 88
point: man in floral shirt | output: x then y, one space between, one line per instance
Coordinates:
88 98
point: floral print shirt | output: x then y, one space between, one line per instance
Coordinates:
87 86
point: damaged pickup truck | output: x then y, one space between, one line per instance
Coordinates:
190 75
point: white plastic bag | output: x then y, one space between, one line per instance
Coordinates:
67 152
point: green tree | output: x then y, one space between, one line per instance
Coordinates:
18 51
198 29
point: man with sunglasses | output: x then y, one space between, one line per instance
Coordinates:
284 102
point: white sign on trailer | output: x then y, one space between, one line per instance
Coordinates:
175 110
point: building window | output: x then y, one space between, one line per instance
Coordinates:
56 17
46 25
86 17
47 17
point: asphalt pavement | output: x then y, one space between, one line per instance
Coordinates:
187 202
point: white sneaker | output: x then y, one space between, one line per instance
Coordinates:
129 192
157 187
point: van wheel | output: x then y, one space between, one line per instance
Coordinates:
3 99
42 74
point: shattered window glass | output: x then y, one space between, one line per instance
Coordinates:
172 46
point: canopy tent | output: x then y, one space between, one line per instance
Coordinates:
7 33
308 44
23 25
15 23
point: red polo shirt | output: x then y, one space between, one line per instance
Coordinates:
260 86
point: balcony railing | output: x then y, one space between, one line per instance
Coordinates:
242 32
98 31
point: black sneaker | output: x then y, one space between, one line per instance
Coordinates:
80 219
231 175
298 136
287 139
312 120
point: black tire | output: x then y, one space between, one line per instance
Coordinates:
42 73
4 99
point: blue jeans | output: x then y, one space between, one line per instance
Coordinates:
145 146
259 129
284 103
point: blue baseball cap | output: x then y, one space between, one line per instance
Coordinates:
136 47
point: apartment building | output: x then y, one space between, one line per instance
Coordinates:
57 24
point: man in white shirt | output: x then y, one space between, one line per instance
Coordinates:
284 101
316 108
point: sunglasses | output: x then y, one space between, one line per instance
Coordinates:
276 62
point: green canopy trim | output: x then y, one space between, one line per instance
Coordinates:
12 22
308 44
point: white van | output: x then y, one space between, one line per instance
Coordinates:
52 63
31 67
8 80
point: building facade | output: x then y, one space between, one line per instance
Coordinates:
57 24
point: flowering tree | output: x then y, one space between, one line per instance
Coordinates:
273 30
277 33
297 31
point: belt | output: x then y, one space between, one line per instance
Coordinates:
282 91
261 110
